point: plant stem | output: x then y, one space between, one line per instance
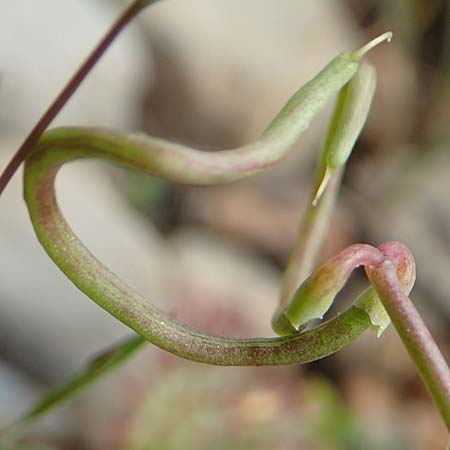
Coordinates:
310 237
70 88
99 367
349 116
313 228
414 334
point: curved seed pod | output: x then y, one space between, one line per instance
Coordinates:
112 294
316 294
350 114
179 163
390 267
183 164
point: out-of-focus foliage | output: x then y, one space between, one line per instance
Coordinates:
192 411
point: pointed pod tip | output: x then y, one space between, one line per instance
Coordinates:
322 186
387 36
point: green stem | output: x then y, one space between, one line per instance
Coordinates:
315 220
414 334
310 238
100 366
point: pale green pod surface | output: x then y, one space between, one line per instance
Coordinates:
353 105
369 302
312 97
350 114
297 114
311 301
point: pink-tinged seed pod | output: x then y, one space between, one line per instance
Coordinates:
316 295
179 163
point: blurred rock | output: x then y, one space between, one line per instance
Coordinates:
407 201
222 288
390 120
387 414
267 221
41 48
16 390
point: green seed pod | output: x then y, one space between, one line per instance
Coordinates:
184 164
353 104
351 111
316 294
312 97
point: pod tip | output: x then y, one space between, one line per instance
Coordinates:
322 186
387 36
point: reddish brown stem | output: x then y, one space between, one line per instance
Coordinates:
414 334
70 88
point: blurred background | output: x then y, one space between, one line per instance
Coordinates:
212 74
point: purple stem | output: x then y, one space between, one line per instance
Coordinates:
414 334
73 84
